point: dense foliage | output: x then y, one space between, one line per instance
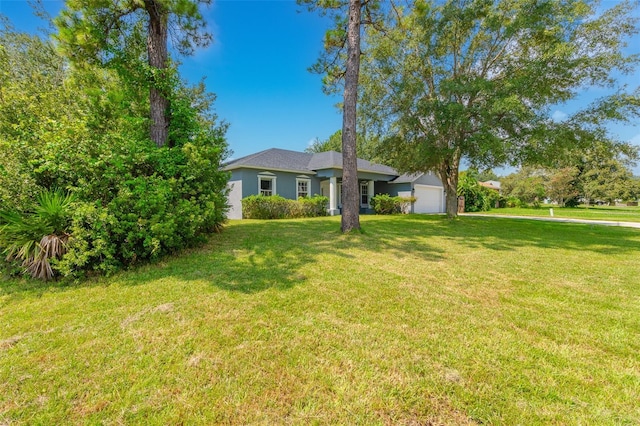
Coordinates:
38 236
475 80
603 180
132 38
84 130
278 207
477 198
386 204
366 147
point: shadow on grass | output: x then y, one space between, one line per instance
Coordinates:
504 234
253 256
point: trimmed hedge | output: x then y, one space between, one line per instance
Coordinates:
386 204
278 207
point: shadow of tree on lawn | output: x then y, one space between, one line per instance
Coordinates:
253 256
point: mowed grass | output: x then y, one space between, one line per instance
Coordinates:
605 213
418 320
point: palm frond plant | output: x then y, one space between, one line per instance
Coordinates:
37 237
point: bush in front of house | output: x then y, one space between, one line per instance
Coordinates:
313 206
386 204
278 207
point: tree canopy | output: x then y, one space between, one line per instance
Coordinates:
366 148
475 79
112 33
77 136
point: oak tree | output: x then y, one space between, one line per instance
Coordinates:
475 80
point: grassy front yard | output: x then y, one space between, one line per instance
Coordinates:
610 213
416 321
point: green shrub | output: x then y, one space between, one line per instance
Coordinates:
572 202
515 202
147 217
35 238
313 206
386 204
477 198
265 207
278 207
88 134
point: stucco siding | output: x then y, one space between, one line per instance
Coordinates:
285 183
429 179
395 189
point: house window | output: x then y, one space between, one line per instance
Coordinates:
267 185
303 187
364 194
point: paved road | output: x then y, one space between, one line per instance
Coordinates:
561 219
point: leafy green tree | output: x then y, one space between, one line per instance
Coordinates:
527 185
366 148
487 174
33 102
475 79
477 198
110 33
86 135
608 180
561 184
332 143
601 172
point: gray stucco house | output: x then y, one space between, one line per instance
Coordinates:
293 174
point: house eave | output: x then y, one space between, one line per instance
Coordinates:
374 172
240 166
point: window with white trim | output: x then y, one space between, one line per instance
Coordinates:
266 185
303 185
364 194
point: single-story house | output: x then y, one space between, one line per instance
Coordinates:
293 174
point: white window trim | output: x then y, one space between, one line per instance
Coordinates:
308 182
267 176
365 186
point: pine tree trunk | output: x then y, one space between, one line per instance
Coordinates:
350 190
157 51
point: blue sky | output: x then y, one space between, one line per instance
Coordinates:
258 64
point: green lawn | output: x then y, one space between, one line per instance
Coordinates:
611 213
418 320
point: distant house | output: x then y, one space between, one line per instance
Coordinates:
491 184
293 174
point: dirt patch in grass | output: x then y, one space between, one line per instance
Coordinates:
163 309
10 342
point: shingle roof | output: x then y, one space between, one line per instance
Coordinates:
282 159
367 166
326 160
407 178
274 158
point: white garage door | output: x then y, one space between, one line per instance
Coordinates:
429 199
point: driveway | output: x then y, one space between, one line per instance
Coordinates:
561 219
